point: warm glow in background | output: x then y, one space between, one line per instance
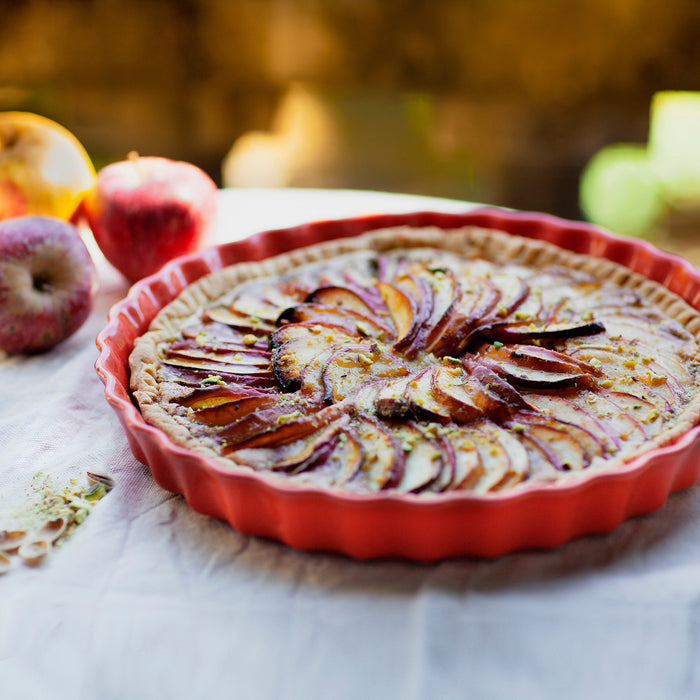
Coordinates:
497 101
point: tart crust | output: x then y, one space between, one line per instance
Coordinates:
155 396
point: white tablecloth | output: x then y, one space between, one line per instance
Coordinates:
151 600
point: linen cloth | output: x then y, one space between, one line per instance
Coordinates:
149 599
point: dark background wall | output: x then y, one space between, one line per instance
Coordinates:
501 101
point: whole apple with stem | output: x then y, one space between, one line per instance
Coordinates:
147 210
44 169
47 283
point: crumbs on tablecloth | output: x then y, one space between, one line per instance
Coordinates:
50 515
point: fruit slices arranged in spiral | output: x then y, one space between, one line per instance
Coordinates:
419 370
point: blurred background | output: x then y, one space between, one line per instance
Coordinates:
497 101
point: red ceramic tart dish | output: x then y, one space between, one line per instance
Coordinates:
498 380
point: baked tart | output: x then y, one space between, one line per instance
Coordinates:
419 360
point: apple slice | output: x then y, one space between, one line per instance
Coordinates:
277 426
295 346
199 353
615 420
225 337
200 376
522 331
232 411
591 446
353 365
493 395
624 365
340 297
238 321
475 302
567 411
512 292
212 365
448 473
536 357
216 394
295 456
423 459
383 464
421 294
390 399
446 293
354 323
532 377
494 458
561 448
644 412
518 459
401 309
468 467
422 401
451 386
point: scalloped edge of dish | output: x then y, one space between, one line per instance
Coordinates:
368 526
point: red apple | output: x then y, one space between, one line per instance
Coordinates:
145 211
47 283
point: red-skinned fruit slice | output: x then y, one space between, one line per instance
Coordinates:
473 305
519 461
451 386
189 376
423 459
567 411
523 332
563 450
238 321
350 367
383 463
468 467
401 309
276 427
343 463
494 459
232 411
611 417
296 345
421 400
390 401
296 456
591 446
354 323
340 297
